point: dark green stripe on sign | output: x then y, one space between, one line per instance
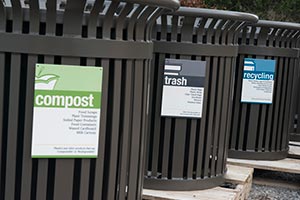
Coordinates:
67 99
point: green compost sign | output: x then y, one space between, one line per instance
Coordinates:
67 105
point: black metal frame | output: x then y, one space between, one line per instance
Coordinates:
260 131
190 154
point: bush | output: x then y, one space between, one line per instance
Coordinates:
282 10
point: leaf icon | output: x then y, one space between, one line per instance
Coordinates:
46 82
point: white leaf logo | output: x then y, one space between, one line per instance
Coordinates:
46 82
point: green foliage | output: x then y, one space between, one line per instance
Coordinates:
283 10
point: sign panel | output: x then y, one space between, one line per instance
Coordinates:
67 102
183 88
258 81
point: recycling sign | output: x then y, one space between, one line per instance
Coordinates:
258 81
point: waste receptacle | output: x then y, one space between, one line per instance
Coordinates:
262 104
295 121
197 49
114 35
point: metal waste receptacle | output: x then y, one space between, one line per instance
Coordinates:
260 130
188 153
295 120
114 35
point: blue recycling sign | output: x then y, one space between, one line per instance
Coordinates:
258 81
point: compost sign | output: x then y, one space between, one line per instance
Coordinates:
67 103
258 81
183 88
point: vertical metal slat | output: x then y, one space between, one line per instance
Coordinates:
64 170
13 110
32 60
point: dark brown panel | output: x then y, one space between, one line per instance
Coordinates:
266 135
183 151
120 34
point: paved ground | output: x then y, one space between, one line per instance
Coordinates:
273 193
259 192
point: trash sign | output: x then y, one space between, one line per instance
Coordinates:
183 88
67 103
258 81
